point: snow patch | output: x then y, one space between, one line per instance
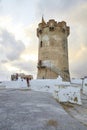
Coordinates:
85 86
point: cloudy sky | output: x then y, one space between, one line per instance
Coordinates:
19 43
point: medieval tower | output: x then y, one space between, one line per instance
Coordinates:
53 50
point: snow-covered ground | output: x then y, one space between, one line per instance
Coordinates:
63 91
76 81
14 84
47 85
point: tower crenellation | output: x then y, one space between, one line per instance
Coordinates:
52 25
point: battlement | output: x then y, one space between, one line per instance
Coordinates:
52 25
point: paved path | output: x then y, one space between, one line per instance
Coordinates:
29 110
79 111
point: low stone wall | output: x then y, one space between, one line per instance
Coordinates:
68 94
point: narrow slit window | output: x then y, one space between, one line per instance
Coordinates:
41 44
40 31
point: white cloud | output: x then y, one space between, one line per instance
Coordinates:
78 41
11 48
26 66
15 56
32 44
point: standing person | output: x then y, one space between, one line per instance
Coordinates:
27 79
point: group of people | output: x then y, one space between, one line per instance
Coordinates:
15 77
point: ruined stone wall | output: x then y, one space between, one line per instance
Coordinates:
53 47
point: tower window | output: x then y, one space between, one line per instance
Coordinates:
40 31
41 44
51 28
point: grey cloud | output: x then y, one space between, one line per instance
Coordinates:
80 15
0 6
57 4
4 61
78 41
10 52
55 7
26 66
4 73
11 47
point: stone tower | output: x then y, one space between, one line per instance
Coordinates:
53 50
